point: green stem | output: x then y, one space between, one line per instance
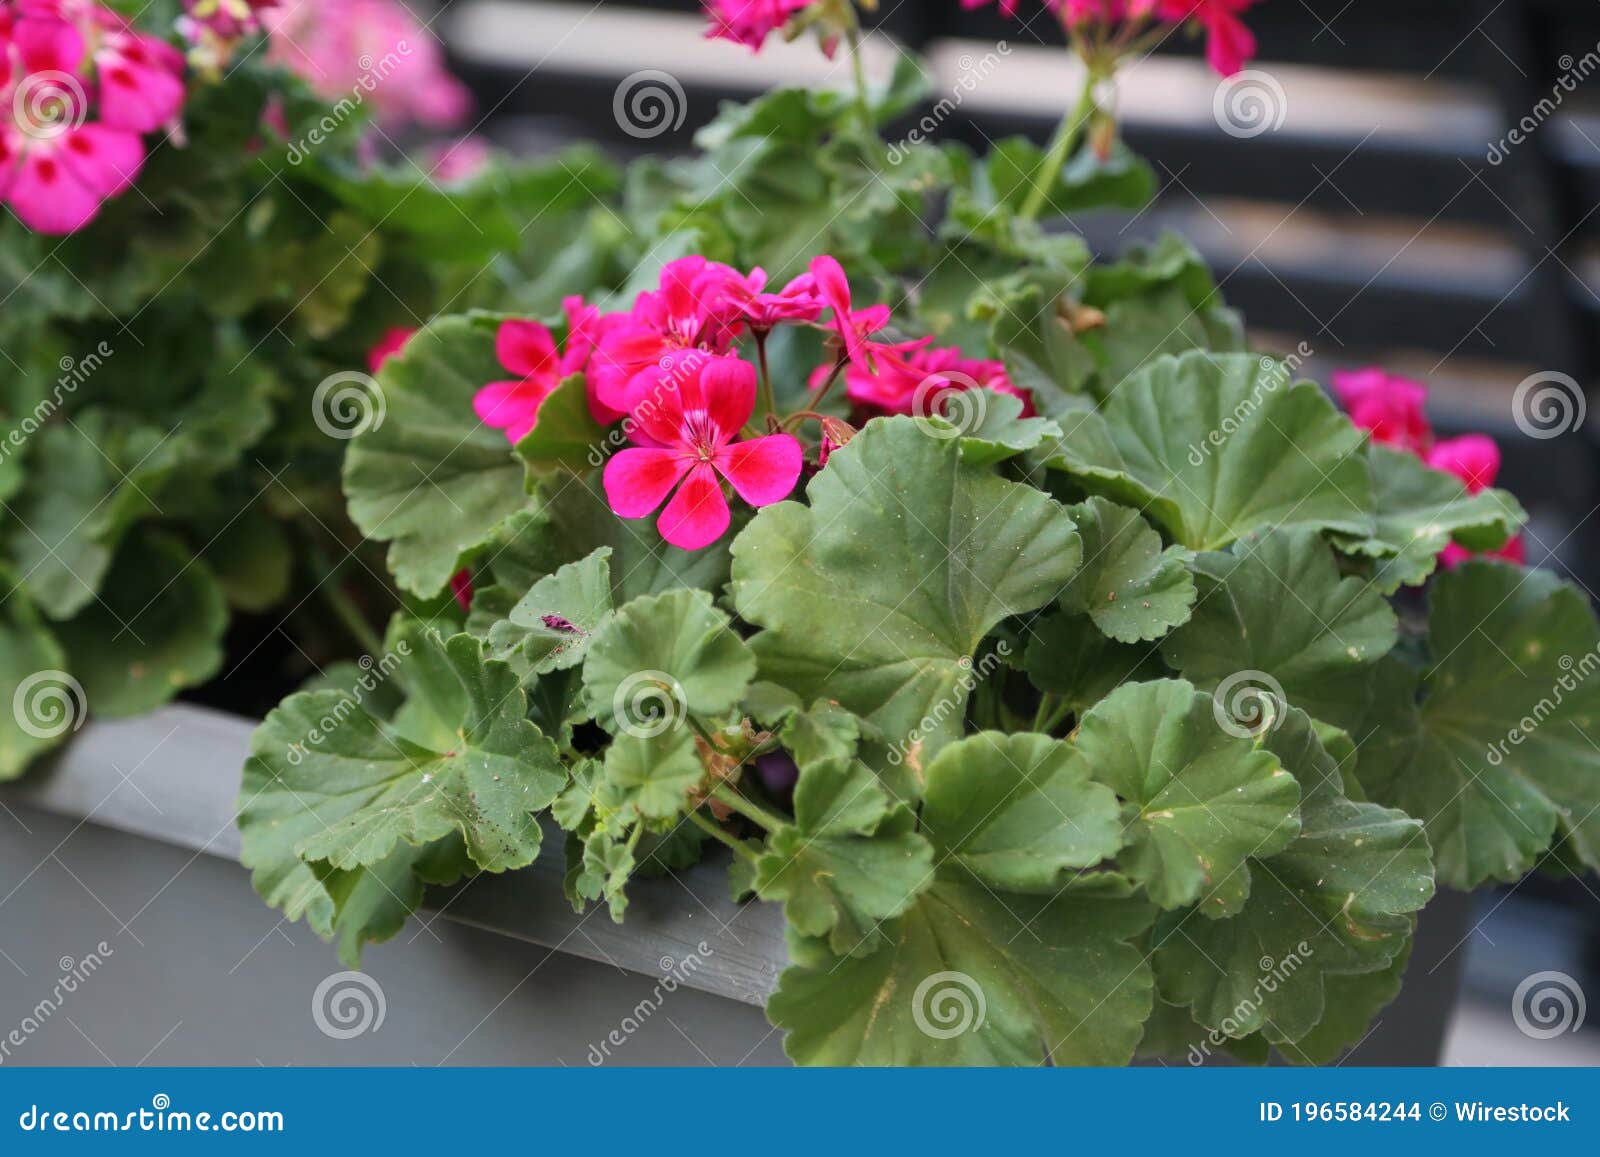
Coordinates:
1047 705
714 830
838 371
859 67
1068 134
768 399
750 811
348 614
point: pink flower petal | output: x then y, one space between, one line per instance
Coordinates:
726 391
526 348
762 470
47 197
511 406
104 160
638 480
390 344
698 514
1473 458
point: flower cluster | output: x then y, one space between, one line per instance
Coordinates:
375 51
1391 409
1229 44
215 28
82 88
673 366
750 22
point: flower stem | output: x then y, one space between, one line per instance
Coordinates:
767 399
756 814
715 831
838 371
859 67
1068 134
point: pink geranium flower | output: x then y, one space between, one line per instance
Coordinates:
1392 408
914 379
750 22
1473 458
391 343
528 349
694 314
691 428
1229 44
796 302
853 326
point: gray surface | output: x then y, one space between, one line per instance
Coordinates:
201 972
173 776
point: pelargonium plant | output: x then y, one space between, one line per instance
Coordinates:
805 504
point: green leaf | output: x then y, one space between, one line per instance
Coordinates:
975 977
1216 446
878 594
1276 607
552 626
1419 511
430 479
1337 900
371 905
851 861
156 630
1350 1004
1133 589
46 707
651 774
327 781
990 426
252 558
662 656
1019 812
1199 800
1499 757
566 436
1070 657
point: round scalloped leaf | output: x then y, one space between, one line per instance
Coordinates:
975 977
1419 512
1133 589
990 426
1018 812
1199 800
1215 446
1500 756
1276 606
429 478
327 781
1339 899
552 626
661 656
852 859
650 774
879 593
